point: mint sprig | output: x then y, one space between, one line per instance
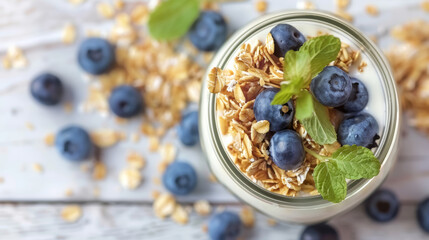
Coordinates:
315 118
348 162
330 182
300 67
171 19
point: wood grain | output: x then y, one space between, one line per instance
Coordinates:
135 221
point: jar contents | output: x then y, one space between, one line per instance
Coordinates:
294 117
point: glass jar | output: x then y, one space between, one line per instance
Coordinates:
304 209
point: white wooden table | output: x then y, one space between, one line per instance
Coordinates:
32 201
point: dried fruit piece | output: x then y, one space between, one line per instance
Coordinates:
71 213
180 215
202 207
105 10
136 161
247 216
69 33
164 205
105 137
100 171
130 178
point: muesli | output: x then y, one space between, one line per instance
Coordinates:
259 68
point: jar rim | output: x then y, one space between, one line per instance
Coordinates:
208 118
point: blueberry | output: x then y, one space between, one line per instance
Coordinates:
275 114
423 214
126 101
358 98
73 143
332 87
47 89
209 31
286 37
319 232
360 129
224 226
286 149
96 55
188 129
180 178
382 206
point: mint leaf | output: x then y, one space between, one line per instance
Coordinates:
301 66
295 71
171 19
304 105
296 67
318 124
322 50
356 162
330 182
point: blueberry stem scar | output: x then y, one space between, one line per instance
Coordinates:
314 154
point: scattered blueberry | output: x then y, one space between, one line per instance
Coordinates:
382 206
209 31
73 143
47 89
358 98
224 226
188 129
180 178
332 87
423 215
126 101
286 37
96 55
275 114
286 149
319 232
360 129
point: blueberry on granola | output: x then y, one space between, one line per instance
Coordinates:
358 98
286 149
187 130
319 232
286 37
209 31
382 206
180 178
73 143
331 87
361 130
96 55
279 116
126 101
224 226
47 89
423 214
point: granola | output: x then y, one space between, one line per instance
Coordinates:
409 62
256 68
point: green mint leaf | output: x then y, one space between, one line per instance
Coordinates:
296 67
318 124
322 50
330 182
295 73
171 19
304 105
356 162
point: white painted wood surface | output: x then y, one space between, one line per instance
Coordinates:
36 27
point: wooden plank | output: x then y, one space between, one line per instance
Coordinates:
117 222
